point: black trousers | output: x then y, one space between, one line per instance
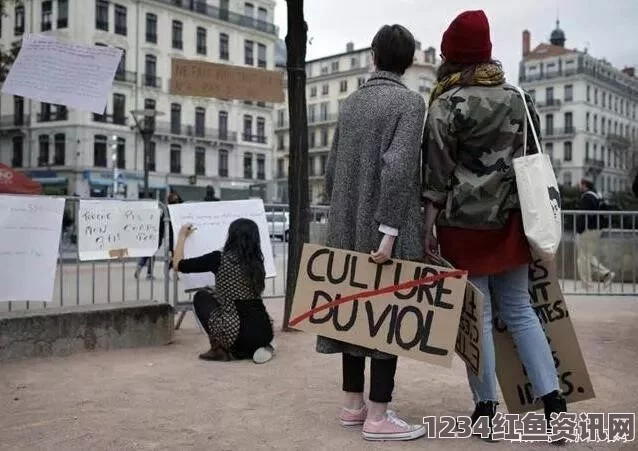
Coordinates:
382 373
204 303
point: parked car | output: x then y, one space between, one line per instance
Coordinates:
279 224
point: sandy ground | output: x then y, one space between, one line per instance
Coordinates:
166 399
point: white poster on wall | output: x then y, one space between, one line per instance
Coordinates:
61 72
212 220
109 229
30 229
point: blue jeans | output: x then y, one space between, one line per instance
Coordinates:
513 303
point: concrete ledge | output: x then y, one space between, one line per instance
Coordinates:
68 330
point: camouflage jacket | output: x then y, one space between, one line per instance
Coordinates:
471 135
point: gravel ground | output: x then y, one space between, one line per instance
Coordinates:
166 399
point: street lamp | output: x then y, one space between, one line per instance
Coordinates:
146 128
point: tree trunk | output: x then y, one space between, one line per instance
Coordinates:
298 149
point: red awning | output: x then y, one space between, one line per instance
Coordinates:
12 182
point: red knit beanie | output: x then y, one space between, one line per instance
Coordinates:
467 39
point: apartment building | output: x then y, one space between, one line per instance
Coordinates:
587 109
329 81
197 142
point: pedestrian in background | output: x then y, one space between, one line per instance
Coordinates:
149 262
473 131
372 181
210 194
588 229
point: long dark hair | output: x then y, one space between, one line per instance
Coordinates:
244 244
467 70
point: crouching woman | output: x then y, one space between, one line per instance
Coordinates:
234 315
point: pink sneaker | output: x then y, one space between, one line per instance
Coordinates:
391 428
350 417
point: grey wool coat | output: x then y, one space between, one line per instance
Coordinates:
373 177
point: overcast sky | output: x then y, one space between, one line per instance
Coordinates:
607 28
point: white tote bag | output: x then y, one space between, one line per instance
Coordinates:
538 195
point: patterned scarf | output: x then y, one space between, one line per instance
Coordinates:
484 75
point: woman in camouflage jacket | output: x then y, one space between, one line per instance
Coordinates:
473 131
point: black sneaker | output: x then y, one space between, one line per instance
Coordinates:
485 409
554 403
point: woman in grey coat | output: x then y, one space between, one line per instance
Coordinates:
373 182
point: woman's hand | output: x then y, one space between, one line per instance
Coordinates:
384 253
186 230
431 245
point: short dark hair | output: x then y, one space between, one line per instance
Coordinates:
588 184
393 48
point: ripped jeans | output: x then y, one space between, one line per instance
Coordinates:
513 302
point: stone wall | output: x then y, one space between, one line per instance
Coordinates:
68 330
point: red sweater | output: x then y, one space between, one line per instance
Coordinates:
486 252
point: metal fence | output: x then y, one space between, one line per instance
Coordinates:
115 281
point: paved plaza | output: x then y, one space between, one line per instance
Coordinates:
164 398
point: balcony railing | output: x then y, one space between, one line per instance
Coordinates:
559 132
152 81
550 103
53 116
126 76
595 163
187 130
200 7
261 139
13 121
316 120
111 119
618 140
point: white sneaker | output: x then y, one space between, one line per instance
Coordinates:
263 355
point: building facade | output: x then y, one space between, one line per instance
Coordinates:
197 142
588 112
329 81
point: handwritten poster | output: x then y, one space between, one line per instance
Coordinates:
212 220
204 79
30 229
549 304
469 340
109 229
63 73
403 308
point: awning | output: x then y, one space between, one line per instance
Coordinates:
13 182
100 181
51 180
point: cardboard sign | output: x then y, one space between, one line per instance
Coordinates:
549 304
222 81
403 308
469 340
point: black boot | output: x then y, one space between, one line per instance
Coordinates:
554 403
485 409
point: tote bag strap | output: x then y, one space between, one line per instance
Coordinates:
531 124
